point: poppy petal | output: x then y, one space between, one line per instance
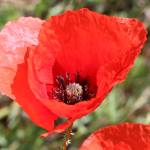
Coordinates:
58 129
97 46
38 113
90 40
116 70
14 38
126 136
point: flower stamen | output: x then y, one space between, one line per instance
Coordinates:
71 92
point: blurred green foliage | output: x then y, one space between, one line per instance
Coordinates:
129 101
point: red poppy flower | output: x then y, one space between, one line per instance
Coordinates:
66 65
126 136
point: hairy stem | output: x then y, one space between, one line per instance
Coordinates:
67 137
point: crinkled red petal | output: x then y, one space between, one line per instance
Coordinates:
99 47
38 113
126 136
14 39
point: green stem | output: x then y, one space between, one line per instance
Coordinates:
67 137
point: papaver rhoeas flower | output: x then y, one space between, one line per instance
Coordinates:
126 136
66 65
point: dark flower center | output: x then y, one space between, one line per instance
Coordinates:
72 91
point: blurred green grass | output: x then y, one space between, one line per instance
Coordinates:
129 101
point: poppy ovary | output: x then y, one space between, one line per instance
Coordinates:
74 91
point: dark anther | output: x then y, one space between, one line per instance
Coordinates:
67 78
77 77
61 82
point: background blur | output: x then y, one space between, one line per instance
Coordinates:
129 101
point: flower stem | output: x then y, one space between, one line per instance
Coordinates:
67 137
